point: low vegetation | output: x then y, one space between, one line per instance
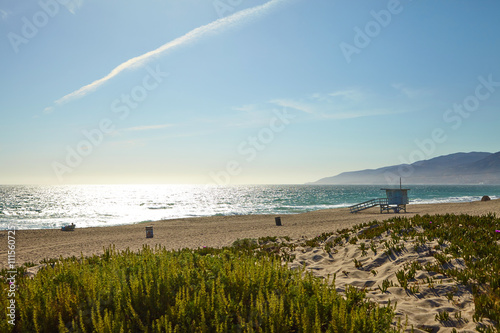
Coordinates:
236 289
248 288
473 239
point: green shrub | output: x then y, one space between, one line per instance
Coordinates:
204 290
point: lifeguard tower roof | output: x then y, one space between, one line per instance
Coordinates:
396 196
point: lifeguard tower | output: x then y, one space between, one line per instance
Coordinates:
396 200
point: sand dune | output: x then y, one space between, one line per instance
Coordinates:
427 294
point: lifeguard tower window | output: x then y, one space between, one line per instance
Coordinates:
397 199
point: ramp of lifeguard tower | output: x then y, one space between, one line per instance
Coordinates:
368 204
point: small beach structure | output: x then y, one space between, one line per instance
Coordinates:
69 227
396 200
149 232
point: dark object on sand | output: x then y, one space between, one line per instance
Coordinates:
278 221
485 198
69 227
149 232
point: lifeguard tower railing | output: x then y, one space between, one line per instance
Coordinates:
369 204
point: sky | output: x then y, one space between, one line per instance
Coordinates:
239 91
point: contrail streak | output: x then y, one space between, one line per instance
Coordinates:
195 34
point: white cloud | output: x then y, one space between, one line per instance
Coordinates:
147 128
359 112
250 115
321 104
214 27
410 92
349 94
48 110
247 108
341 104
297 105
73 6
3 14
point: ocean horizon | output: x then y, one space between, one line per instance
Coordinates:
52 206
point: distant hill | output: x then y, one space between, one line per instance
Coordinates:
459 168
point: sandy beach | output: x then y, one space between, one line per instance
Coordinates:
217 231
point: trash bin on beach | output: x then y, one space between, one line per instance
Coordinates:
149 232
278 221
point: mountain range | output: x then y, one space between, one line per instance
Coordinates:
454 169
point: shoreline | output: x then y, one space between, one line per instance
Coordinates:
34 245
251 214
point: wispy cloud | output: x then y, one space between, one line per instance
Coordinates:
214 27
249 115
48 110
349 94
360 112
73 6
3 14
249 108
294 104
341 104
410 92
148 128
317 106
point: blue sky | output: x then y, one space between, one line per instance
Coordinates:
220 91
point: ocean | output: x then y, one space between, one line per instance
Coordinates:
46 207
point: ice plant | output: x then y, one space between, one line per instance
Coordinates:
235 289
